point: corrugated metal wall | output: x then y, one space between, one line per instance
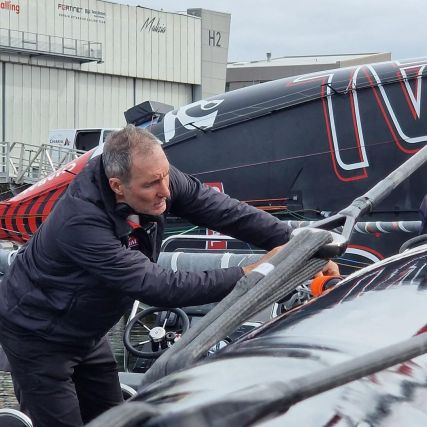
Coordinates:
101 100
35 100
1 102
169 93
130 46
38 99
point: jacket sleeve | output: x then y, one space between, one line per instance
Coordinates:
90 243
423 215
206 207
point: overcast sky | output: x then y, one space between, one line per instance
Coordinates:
314 27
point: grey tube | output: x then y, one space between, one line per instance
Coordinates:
6 258
189 261
370 226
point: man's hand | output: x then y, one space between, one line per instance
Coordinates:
330 269
265 258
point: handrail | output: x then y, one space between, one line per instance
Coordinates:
194 237
50 45
27 163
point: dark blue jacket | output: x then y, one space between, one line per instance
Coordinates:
77 276
423 213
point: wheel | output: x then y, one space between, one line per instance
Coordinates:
412 243
127 391
157 336
13 418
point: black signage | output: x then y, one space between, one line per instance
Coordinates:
153 25
214 38
81 13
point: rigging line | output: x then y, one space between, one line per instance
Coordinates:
10 190
25 216
14 231
308 210
304 218
354 261
308 90
303 211
189 230
28 195
287 159
305 93
197 127
349 265
178 231
296 216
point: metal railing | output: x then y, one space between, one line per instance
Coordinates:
26 164
55 46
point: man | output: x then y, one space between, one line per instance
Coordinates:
78 274
423 214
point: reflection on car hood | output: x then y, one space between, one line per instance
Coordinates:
349 328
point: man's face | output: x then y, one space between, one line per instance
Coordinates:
148 188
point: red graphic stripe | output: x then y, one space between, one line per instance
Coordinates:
21 221
331 145
405 92
33 214
386 119
367 249
4 234
52 202
9 223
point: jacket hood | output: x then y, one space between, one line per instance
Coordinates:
92 185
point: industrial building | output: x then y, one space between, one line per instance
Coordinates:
82 63
242 74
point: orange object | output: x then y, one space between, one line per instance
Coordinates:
321 283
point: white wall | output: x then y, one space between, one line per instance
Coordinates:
129 48
215 36
1 101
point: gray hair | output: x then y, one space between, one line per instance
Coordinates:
121 146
